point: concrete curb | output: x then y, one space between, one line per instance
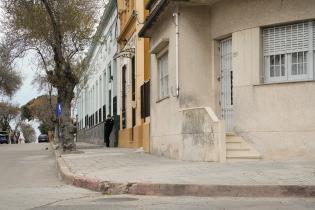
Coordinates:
70 178
112 188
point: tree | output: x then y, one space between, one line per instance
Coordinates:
10 80
8 112
58 31
28 132
41 108
26 113
44 128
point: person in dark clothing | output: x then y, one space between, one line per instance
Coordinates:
109 123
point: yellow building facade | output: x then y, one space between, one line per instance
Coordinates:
133 65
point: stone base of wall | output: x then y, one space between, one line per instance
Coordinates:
95 135
202 138
135 137
146 137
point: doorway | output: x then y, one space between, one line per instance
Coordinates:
226 83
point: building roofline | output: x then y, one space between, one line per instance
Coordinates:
108 11
152 17
156 8
150 3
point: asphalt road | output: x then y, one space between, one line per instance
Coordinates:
29 181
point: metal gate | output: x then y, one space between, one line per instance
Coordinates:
226 83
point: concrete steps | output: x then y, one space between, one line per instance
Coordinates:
237 149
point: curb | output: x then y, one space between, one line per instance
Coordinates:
153 189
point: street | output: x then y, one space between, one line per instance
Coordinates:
29 180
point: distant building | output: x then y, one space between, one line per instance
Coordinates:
232 79
133 65
98 93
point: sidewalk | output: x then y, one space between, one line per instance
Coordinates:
123 167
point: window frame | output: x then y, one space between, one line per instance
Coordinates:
288 55
161 94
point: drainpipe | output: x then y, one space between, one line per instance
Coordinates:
176 15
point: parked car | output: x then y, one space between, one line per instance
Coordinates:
4 137
42 138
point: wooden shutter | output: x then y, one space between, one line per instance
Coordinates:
142 102
145 100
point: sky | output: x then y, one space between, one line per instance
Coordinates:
28 91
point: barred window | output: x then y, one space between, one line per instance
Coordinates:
163 75
289 52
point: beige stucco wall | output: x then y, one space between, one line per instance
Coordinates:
195 54
169 124
279 119
165 125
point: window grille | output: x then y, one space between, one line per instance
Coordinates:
163 75
100 115
115 106
104 113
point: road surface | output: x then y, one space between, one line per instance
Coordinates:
29 181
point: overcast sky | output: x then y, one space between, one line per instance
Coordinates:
28 91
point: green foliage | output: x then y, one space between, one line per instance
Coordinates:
26 113
10 80
44 128
41 108
8 112
28 132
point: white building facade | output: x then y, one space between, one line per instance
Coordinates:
98 88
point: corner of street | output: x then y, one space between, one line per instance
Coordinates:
128 171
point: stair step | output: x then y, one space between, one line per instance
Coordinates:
230 134
237 149
232 160
242 154
236 145
234 139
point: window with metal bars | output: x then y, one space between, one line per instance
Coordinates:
123 98
115 106
100 115
133 89
163 75
289 52
123 85
110 102
104 113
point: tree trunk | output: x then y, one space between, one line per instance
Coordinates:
67 127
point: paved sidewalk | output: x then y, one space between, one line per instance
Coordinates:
129 166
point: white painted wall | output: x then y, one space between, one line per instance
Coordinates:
95 93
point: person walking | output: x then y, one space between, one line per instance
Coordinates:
108 127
